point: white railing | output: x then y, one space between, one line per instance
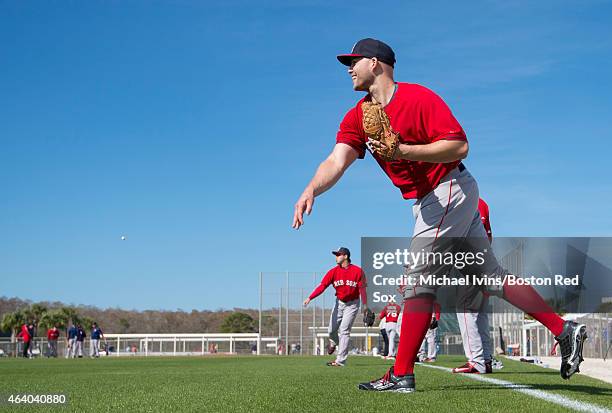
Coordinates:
163 344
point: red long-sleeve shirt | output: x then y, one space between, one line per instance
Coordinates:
349 283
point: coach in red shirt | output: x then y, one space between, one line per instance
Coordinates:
350 284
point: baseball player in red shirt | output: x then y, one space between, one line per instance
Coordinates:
474 324
26 335
426 166
391 313
52 336
350 285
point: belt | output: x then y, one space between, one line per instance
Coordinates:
461 167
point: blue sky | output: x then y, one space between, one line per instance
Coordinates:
192 127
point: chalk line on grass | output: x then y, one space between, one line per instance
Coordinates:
525 389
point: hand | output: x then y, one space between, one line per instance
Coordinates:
304 204
306 301
379 147
365 309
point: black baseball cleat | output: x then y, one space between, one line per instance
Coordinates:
391 382
571 341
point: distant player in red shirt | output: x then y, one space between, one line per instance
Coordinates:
426 166
391 313
26 336
350 284
52 336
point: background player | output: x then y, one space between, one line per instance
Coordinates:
71 336
94 343
350 284
474 325
426 166
429 350
391 313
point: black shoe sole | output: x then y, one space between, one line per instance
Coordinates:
368 387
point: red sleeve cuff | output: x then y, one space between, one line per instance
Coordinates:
450 136
359 148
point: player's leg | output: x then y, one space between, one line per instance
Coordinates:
472 343
385 351
482 322
432 349
392 333
445 212
334 324
415 322
422 354
570 335
349 313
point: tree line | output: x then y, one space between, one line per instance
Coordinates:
14 312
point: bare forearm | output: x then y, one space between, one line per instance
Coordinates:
328 173
437 152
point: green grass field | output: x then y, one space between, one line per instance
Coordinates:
278 384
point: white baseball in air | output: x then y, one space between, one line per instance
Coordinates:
123 238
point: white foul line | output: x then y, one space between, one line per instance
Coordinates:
538 394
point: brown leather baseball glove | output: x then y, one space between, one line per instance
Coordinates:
377 127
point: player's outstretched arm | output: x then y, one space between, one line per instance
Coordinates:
328 173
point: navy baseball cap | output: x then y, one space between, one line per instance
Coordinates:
342 251
369 48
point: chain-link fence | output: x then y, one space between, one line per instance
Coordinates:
283 315
303 330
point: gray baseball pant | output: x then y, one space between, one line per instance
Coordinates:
71 350
340 322
428 346
93 347
474 326
391 333
78 349
446 215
